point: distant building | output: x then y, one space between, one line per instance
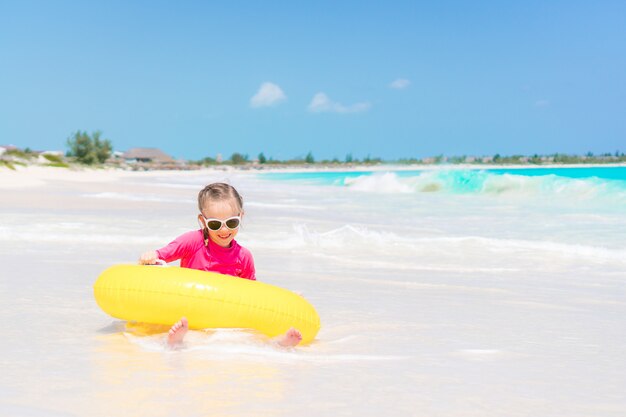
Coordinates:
147 155
470 159
4 148
487 159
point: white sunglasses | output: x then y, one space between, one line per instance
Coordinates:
231 223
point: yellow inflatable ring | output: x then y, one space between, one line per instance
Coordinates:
162 295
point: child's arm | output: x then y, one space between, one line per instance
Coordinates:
174 250
148 258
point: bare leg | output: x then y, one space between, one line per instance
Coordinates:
177 332
289 339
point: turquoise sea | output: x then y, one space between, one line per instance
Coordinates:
464 180
581 183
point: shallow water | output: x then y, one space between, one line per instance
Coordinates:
433 301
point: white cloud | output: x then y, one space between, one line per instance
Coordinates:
322 103
269 94
542 103
400 84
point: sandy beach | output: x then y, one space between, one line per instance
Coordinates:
432 303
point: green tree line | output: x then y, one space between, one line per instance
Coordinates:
89 149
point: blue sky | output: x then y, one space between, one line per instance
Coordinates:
388 79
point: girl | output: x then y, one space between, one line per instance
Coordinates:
213 248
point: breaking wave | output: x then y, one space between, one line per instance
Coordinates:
483 182
523 183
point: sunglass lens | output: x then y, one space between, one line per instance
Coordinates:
232 223
214 225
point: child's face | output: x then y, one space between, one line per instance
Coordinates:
222 210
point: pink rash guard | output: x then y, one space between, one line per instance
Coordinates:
189 248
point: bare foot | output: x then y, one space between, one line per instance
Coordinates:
177 332
289 339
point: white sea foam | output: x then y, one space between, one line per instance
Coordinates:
83 238
288 206
483 355
75 233
137 197
457 181
349 235
243 345
160 184
386 182
446 288
419 265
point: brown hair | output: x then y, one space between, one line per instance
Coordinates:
218 191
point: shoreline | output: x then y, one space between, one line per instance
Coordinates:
32 176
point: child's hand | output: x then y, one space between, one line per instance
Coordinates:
149 258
